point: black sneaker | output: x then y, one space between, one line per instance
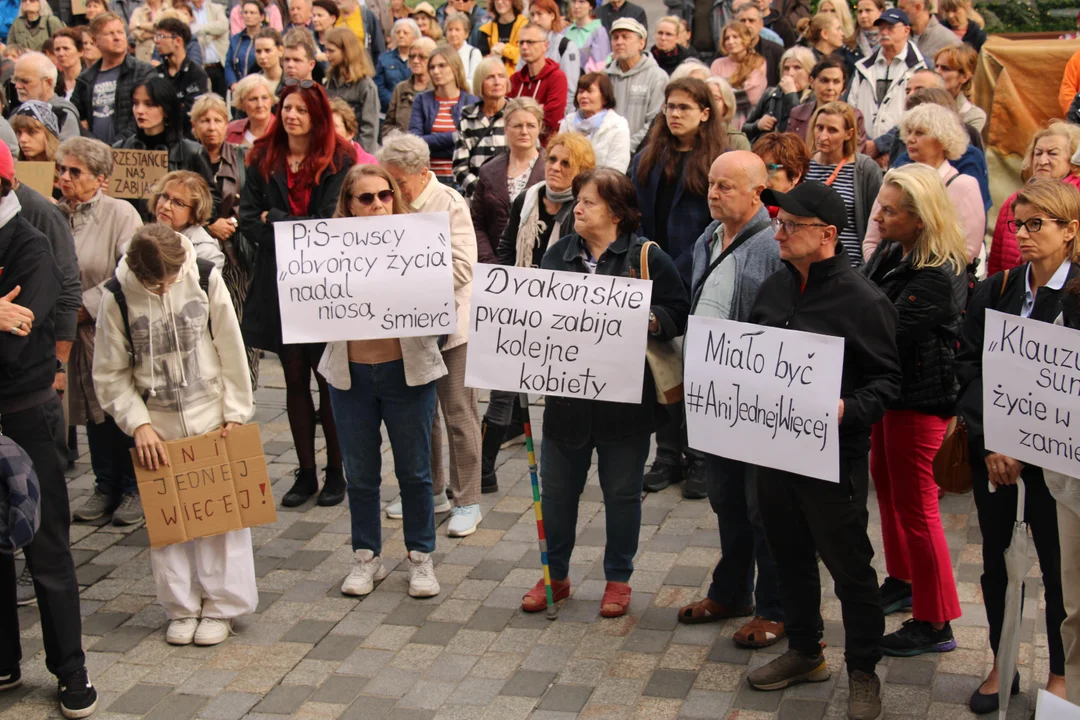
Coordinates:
661 474
333 489
303 488
895 595
695 486
78 698
916 637
11 679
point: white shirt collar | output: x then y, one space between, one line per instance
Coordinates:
1056 282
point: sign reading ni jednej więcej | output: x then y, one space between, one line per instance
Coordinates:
1031 386
365 278
557 333
763 395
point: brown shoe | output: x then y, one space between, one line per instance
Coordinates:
706 611
759 633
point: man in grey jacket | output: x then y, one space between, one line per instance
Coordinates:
35 79
731 259
636 78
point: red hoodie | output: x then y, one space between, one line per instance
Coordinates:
548 88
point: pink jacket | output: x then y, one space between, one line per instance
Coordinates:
754 87
236 21
1004 249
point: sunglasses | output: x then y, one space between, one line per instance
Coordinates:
304 84
74 172
384 196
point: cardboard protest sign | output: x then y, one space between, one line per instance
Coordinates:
136 171
211 485
1031 382
78 7
763 395
557 333
365 278
38 175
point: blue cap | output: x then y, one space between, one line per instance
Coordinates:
893 16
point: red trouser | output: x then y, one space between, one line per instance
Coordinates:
902 449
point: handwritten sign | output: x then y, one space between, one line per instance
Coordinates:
38 175
766 396
1031 382
365 278
211 485
78 7
1051 707
136 171
557 333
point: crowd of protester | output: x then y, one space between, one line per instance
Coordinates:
819 171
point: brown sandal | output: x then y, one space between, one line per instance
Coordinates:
707 611
759 633
536 599
616 600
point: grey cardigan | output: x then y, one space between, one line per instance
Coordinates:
867 183
755 259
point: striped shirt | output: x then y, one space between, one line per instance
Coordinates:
845 185
479 139
443 123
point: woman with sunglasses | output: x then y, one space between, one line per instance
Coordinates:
295 171
391 381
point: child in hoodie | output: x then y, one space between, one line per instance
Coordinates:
182 372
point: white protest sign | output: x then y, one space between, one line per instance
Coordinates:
558 333
1031 382
1051 707
365 278
763 395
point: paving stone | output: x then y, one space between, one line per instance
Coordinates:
304 559
492 619
647 641
547 658
659 619
705 704
435 633
339 689
747 698
229 706
177 707
140 699
565 698
409 613
491 571
495 520
121 639
953 689
797 709
426 695
284 699
687 576
528 683
476 691
726 651
101 623
670 683
264 564
90 573
368 707
335 647
308 631
910 671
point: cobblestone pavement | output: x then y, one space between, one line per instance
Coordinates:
310 652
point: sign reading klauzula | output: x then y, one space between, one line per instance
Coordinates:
557 333
365 278
1031 385
763 395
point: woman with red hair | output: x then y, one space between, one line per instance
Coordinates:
295 171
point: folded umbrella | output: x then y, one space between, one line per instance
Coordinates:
1017 563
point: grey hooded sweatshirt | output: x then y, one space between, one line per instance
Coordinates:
639 95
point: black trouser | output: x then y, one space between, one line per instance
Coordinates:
802 515
216 73
997 515
41 433
671 443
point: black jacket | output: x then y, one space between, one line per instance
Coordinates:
490 203
190 82
184 154
839 301
668 61
28 364
132 72
574 423
774 102
262 316
929 303
1008 298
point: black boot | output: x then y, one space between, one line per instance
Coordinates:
303 488
333 490
663 472
489 451
695 487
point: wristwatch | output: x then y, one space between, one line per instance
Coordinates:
652 319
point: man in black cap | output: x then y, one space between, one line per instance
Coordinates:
818 291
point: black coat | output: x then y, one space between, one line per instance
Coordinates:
490 203
184 154
774 102
132 72
572 422
262 316
929 303
839 301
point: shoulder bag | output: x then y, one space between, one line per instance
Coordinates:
665 357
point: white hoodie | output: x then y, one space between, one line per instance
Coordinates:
184 382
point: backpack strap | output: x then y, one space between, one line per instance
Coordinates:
205 268
562 45
113 286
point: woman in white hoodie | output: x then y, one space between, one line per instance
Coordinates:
596 120
179 373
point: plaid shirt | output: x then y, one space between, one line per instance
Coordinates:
20 497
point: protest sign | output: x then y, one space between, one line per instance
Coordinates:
763 395
1031 382
78 7
1051 707
38 175
557 333
136 171
210 486
365 278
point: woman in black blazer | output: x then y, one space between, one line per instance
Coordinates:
295 172
1047 217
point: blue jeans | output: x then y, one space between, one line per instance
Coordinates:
733 496
110 458
379 395
622 471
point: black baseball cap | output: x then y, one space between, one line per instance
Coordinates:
892 16
811 199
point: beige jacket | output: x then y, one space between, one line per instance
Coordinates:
437 197
142 29
421 356
215 31
102 227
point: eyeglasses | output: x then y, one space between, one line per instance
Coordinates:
680 109
417 56
789 227
304 84
164 36
1033 225
530 42
384 196
74 172
178 204
773 168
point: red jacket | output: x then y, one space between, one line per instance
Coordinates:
1004 248
548 88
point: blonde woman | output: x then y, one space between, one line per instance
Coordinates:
920 266
34 25
842 10
481 132
742 66
956 65
437 112
724 98
255 96
351 79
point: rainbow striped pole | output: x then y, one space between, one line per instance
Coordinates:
523 401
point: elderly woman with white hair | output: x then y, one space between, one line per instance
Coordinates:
934 135
407 159
393 65
724 97
255 96
399 111
481 133
771 112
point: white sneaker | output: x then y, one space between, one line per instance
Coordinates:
442 505
463 520
212 631
367 570
393 510
422 581
181 631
